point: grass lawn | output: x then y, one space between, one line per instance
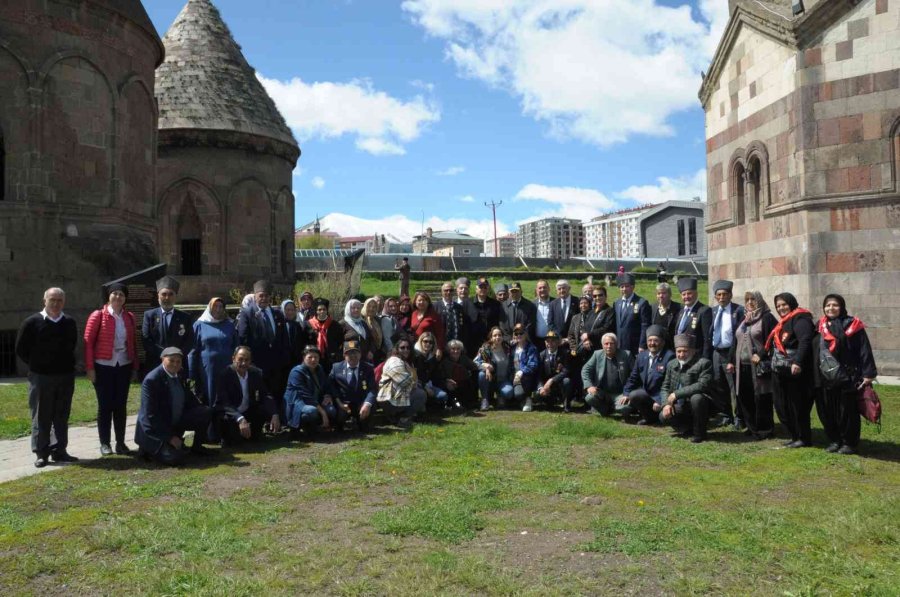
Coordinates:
647 289
503 504
15 419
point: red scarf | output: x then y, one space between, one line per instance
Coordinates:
856 325
775 336
321 328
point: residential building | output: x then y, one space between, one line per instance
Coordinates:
615 234
505 244
552 238
673 229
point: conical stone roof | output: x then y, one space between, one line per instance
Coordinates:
205 83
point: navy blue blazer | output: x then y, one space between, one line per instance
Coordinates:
632 323
558 370
557 321
229 395
363 391
270 356
698 324
154 423
180 334
642 377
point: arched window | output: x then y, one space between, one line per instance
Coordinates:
753 190
738 180
189 235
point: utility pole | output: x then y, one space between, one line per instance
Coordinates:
494 207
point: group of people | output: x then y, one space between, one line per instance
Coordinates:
294 367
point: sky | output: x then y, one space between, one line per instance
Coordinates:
415 113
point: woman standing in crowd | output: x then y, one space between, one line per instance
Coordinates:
753 369
390 326
845 337
525 364
215 339
404 313
425 359
603 321
326 334
373 321
495 361
399 394
790 344
425 319
578 329
355 328
110 357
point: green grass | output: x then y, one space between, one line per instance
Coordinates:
15 418
503 504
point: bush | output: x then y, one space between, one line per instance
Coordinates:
334 286
643 269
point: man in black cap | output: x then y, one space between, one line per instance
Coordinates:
643 390
168 409
687 388
517 309
262 328
633 316
482 313
501 292
695 318
727 317
554 374
165 325
243 402
353 383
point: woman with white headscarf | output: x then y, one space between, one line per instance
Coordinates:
215 339
356 328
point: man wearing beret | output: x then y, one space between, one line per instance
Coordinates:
687 388
165 325
633 316
643 390
168 409
726 319
695 318
353 382
262 328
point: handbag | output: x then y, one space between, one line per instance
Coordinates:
834 374
781 362
869 405
763 368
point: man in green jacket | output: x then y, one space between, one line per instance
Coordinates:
687 387
604 377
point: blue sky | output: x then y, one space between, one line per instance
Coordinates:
429 108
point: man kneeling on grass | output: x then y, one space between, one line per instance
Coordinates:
168 409
687 387
243 402
643 390
604 376
309 399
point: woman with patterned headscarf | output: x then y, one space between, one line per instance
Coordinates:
753 371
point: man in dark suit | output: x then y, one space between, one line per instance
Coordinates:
243 402
168 409
451 313
554 375
482 313
633 317
517 309
262 328
165 325
353 382
604 377
666 312
727 316
695 318
562 309
643 389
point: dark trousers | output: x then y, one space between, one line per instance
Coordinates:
723 383
50 401
276 382
196 418
793 403
643 403
111 385
837 409
229 429
692 414
756 409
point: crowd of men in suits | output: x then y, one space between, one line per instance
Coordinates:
662 363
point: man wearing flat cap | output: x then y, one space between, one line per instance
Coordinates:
353 383
165 325
687 388
643 390
727 316
262 328
633 316
482 313
168 409
695 318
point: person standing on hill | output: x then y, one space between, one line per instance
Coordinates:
404 269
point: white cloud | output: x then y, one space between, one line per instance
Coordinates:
318 182
596 70
467 199
569 202
405 228
380 123
451 171
684 188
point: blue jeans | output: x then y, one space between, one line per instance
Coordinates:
503 388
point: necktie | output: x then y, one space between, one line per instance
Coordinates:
270 332
684 320
353 378
165 327
717 328
624 308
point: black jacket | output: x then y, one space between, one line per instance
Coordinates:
180 334
229 394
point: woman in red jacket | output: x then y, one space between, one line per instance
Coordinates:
425 319
110 357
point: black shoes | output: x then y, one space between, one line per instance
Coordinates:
62 457
105 450
41 462
122 449
846 450
798 444
696 439
832 448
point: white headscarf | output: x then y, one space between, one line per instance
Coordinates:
207 316
355 322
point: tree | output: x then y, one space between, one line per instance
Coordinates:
314 242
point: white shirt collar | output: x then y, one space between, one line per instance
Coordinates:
53 319
113 313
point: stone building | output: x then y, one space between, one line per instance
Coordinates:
432 240
673 229
226 157
802 121
78 132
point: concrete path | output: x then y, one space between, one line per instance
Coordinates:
17 460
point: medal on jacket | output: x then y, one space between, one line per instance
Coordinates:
365 386
181 330
785 336
693 322
635 308
573 353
